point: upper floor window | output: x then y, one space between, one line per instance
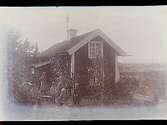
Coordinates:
95 49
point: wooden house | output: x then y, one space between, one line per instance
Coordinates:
90 58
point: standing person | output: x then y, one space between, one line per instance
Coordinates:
53 91
76 94
59 86
62 97
69 87
43 83
41 90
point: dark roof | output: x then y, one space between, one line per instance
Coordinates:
64 46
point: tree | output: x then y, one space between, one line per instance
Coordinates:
20 55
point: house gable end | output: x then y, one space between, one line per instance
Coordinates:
91 36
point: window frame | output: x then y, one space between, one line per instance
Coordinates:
92 49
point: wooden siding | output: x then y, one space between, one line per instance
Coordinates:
109 61
81 63
109 56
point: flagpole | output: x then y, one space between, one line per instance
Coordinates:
67 25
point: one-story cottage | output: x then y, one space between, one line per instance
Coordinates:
90 57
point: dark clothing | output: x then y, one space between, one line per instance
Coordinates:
76 95
76 100
69 88
43 83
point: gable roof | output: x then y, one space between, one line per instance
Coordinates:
72 45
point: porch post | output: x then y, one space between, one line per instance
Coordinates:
72 64
117 75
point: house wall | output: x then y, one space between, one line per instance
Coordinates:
109 58
109 62
82 62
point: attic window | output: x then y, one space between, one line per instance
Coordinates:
95 49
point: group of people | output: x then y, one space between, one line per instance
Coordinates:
66 92
63 90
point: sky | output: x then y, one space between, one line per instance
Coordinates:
139 31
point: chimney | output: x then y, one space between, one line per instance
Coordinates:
71 33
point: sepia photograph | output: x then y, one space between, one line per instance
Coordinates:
83 63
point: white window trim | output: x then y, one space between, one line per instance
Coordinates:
95 51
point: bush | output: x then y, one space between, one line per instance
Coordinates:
122 91
24 94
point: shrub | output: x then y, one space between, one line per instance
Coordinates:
122 91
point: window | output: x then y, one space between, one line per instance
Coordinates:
95 49
95 74
95 71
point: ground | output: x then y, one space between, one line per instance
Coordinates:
16 112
